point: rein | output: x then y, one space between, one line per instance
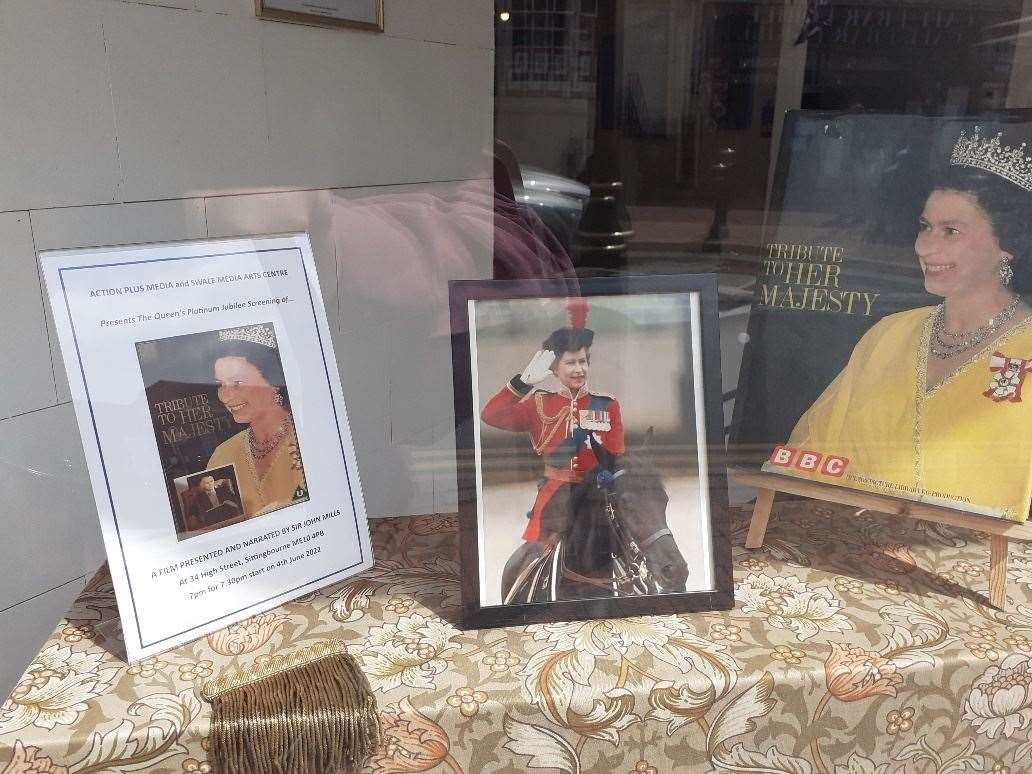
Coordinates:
647 542
636 576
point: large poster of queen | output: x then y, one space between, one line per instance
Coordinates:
220 407
891 330
590 463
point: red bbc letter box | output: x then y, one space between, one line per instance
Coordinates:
834 466
808 461
782 455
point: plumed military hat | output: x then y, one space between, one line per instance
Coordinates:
575 336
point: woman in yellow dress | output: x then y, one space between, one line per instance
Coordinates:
930 405
247 367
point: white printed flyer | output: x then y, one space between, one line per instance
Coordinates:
214 427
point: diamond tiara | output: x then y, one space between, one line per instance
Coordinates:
256 334
993 156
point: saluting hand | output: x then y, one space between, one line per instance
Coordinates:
539 367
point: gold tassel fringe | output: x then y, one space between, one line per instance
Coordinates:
312 711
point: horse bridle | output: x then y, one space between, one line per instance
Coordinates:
636 576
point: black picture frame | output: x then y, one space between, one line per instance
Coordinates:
464 295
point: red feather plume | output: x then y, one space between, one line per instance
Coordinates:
577 311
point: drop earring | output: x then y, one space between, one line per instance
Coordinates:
1006 272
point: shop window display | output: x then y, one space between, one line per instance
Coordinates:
785 147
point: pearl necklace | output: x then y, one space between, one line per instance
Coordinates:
965 340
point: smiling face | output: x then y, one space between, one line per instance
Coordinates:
956 244
572 369
243 390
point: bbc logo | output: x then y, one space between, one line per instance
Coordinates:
809 461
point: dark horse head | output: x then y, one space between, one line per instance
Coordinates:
630 485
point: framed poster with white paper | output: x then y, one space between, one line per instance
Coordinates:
891 332
214 427
363 14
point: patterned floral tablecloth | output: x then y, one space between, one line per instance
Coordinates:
859 644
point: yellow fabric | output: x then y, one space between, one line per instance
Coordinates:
282 479
951 446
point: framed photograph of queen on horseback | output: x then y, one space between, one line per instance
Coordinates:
589 441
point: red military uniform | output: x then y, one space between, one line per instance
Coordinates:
559 424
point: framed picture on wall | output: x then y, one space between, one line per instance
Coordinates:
590 449
363 14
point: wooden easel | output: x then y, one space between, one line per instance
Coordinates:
1000 530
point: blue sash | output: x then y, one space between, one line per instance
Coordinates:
561 455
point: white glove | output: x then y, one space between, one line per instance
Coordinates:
539 367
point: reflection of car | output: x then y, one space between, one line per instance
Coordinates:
557 200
